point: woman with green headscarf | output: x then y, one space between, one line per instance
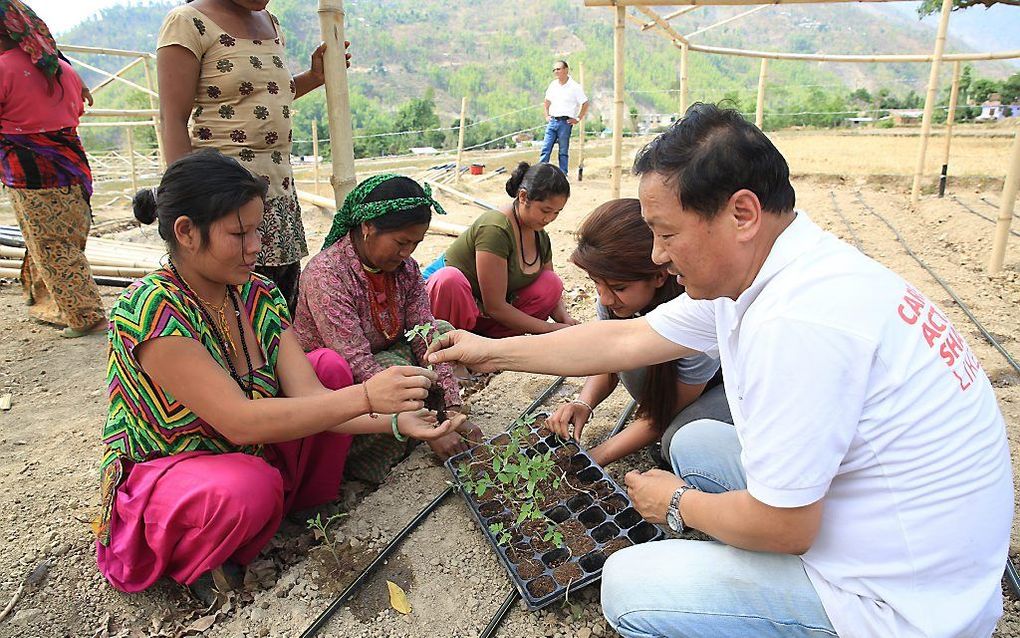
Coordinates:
361 295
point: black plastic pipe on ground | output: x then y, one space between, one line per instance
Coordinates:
338 602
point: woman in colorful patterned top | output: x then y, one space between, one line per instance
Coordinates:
614 248
497 278
223 63
218 422
43 164
363 293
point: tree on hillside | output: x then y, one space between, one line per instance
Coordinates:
981 88
1011 89
934 6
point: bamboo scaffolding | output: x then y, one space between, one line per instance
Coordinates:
102 271
929 100
341 133
435 226
657 19
121 112
685 50
460 137
156 119
618 76
580 132
759 107
825 57
135 124
315 153
73 48
669 16
122 71
954 94
131 156
110 76
1006 204
97 260
726 21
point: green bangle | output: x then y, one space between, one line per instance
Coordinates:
396 431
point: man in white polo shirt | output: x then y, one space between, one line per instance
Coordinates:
565 105
865 488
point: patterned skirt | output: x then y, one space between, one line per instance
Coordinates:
55 276
373 455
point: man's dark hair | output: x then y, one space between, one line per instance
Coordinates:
564 63
711 153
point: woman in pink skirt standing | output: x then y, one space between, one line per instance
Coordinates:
219 423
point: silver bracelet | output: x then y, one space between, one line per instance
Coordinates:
591 410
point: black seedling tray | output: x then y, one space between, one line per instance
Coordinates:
609 520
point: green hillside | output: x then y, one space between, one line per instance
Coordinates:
415 59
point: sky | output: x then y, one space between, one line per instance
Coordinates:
979 27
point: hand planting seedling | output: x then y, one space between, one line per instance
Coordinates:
421 331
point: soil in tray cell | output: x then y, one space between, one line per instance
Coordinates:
579 503
541 586
488 509
592 517
529 568
603 489
614 504
577 463
592 562
628 518
533 438
540 545
556 557
558 514
544 432
502 439
534 527
588 476
605 532
576 537
616 545
566 574
519 551
566 451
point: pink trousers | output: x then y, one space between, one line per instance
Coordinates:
183 515
451 299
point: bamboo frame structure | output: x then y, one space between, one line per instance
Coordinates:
1006 205
112 77
580 131
315 154
157 121
929 100
685 50
670 16
759 105
726 21
338 104
954 95
617 171
460 139
662 24
131 157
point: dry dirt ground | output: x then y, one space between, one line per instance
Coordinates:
49 443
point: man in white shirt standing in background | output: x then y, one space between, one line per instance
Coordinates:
565 105
865 488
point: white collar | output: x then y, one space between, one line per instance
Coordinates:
794 241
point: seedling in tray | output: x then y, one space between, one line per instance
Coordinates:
551 513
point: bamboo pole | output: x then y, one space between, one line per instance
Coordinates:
669 16
1006 204
341 132
103 271
73 48
759 107
160 153
954 94
823 57
657 19
726 21
460 138
137 123
617 171
929 100
111 76
315 153
131 155
122 71
580 132
121 112
685 50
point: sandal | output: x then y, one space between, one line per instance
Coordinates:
96 328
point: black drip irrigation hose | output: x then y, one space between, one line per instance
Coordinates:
846 222
622 421
338 602
501 614
984 217
966 309
994 205
1012 577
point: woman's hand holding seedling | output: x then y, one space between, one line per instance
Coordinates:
568 420
465 348
399 389
421 424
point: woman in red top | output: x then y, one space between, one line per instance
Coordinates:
43 165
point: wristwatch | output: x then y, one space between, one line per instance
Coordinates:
673 518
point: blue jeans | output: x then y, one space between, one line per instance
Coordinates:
556 132
690 588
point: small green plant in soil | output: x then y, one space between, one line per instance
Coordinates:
422 331
516 474
320 528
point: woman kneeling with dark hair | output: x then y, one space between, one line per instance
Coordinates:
362 293
614 247
204 455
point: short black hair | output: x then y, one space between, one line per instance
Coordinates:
711 153
539 181
564 63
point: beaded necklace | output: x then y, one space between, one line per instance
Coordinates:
222 341
391 327
520 236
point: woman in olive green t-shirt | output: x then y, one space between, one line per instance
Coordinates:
497 278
